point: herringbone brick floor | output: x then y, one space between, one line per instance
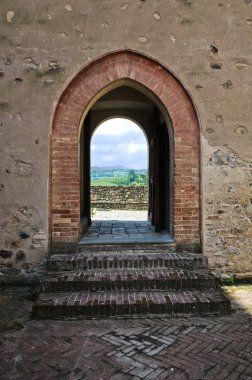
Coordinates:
156 348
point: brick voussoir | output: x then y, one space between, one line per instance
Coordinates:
132 303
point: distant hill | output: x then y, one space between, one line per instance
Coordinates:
105 168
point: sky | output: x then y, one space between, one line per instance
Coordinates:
119 142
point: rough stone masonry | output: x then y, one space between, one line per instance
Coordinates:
206 44
119 197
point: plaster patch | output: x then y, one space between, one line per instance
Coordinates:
10 15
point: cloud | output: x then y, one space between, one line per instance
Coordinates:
126 146
118 126
134 147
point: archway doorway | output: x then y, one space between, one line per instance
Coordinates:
133 101
175 114
119 171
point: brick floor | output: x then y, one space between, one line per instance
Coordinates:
109 349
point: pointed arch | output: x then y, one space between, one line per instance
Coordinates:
93 81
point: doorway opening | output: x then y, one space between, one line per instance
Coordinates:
129 101
119 171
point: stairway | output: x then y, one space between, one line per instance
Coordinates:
110 283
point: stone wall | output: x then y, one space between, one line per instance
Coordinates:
119 197
206 44
227 210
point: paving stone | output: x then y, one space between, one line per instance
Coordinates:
132 231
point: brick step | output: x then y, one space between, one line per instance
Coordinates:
125 260
91 304
127 280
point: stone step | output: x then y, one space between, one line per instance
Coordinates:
125 260
116 247
92 304
131 279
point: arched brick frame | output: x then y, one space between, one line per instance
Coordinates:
77 97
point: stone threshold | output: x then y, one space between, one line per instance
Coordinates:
161 239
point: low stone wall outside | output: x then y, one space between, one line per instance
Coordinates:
119 197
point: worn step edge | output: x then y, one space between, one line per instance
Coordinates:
168 247
128 280
86 304
92 261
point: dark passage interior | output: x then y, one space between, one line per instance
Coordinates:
132 101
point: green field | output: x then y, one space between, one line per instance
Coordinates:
108 181
118 177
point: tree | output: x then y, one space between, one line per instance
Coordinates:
131 176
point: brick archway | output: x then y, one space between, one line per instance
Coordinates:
78 97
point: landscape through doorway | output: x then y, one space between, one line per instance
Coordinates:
119 172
